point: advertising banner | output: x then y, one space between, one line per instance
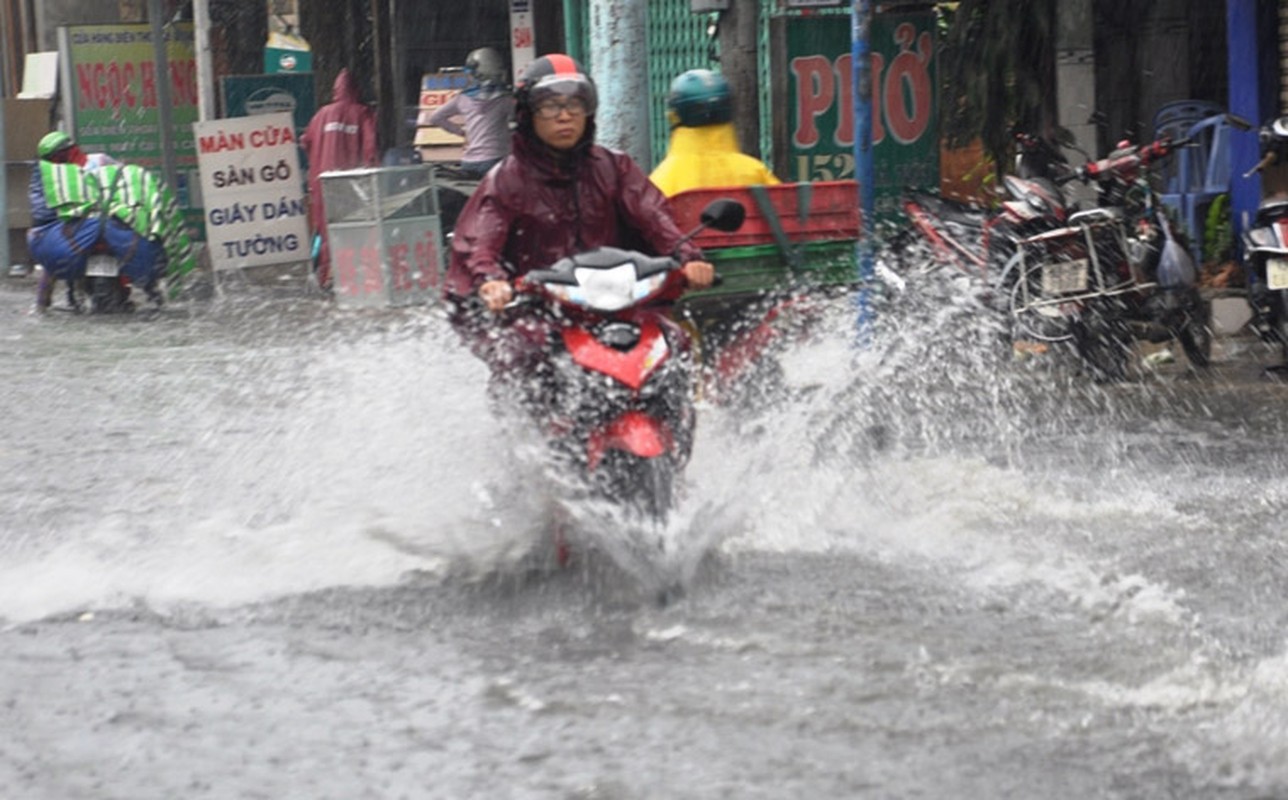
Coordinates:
905 103
253 95
523 39
111 102
436 89
111 90
256 213
286 50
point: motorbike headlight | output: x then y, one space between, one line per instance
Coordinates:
1261 237
612 289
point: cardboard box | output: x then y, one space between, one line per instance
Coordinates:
17 207
25 121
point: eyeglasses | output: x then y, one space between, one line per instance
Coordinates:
551 109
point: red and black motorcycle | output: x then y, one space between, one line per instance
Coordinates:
1114 273
979 240
617 401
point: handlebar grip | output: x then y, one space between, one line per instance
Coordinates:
1083 173
1266 160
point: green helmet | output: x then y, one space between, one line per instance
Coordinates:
699 97
51 143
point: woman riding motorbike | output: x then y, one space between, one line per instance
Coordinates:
557 194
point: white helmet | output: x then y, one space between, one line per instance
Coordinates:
485 65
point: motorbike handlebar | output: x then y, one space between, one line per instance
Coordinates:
1129 160
526 286
1266 160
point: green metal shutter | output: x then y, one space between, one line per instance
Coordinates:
678 41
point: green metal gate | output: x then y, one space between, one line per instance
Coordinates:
678 40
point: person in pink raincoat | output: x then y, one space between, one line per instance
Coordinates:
341 135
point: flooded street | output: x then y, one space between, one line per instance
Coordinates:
263 548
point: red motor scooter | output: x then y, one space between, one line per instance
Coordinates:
617 402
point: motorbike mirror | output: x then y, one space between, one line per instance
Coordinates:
723 215
1239 122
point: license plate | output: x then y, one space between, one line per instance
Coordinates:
1277 273
1065 277
102 267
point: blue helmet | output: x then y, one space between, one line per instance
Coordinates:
699 97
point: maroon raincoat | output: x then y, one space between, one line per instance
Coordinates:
341 135
538 206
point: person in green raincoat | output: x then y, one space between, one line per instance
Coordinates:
82 203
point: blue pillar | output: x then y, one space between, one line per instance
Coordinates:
864 172
1245 101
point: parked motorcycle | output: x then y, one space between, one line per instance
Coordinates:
108 292
1113 273
617 401
979 240
1265 244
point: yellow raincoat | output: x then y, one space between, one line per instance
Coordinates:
707 156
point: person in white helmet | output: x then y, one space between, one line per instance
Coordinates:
482 113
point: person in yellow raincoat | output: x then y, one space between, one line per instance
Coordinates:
703 151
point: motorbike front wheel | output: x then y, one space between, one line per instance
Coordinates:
645 486
1103 339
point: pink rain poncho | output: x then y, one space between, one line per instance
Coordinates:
341 135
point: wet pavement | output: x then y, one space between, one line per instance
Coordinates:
261 547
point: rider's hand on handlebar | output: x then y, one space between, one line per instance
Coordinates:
495 294
699 274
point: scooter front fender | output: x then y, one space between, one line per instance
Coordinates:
634 432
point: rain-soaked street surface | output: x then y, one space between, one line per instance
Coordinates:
264 548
